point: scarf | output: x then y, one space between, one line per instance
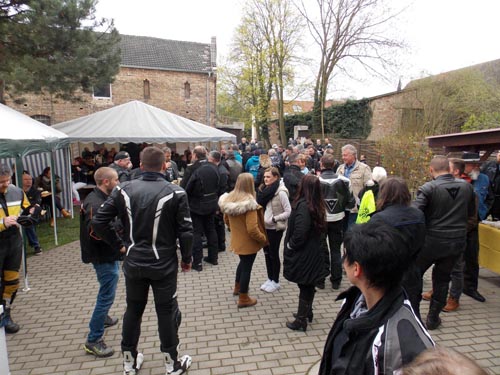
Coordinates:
266 193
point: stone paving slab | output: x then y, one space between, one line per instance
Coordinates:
221 338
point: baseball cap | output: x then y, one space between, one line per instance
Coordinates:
122 155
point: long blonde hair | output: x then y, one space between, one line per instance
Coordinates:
243 189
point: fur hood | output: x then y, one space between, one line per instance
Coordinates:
265 161
237 208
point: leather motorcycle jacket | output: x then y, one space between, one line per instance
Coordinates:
154 214
447 203
336 194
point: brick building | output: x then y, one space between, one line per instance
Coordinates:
391 110
403 109
176 76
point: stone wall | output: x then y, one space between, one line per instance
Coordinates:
166 92
387 112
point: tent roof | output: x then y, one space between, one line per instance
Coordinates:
21 135
138 122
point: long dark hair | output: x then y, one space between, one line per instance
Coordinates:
310 189
393 191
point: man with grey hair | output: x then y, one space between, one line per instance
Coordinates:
358 173
276 159
13 203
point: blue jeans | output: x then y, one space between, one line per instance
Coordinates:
31 235
107 276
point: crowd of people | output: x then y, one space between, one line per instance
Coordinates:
300 195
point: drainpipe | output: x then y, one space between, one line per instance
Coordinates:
208 97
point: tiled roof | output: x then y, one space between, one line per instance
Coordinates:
164 54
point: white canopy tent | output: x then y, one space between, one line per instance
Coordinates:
139 122
21 137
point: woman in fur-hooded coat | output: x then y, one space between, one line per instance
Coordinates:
245 220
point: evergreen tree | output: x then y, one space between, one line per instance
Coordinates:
54 47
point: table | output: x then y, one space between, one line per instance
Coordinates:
489 247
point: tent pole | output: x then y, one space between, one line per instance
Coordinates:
53 191
19 184
68 160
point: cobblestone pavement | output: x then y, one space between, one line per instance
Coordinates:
221 338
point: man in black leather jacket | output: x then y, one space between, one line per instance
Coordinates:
447 203
104 259
154 214
338 198
203 184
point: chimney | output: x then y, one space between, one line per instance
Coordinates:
213 52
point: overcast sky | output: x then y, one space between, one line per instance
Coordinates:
441 35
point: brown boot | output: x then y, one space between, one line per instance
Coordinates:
246 301
427 296
65 213
451 305
236 290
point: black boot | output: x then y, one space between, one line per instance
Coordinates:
310 315
300 322
10 326
433 320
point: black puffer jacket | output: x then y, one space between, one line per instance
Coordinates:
203 184
303 261
94 249
154 213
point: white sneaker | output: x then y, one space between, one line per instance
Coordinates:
266 284
271 288
179 367
128 363
277 285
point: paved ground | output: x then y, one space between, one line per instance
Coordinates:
221 338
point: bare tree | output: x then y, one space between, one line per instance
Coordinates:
263 53
282 28
254 69
347 30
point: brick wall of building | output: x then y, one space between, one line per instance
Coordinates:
167 91
387 112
